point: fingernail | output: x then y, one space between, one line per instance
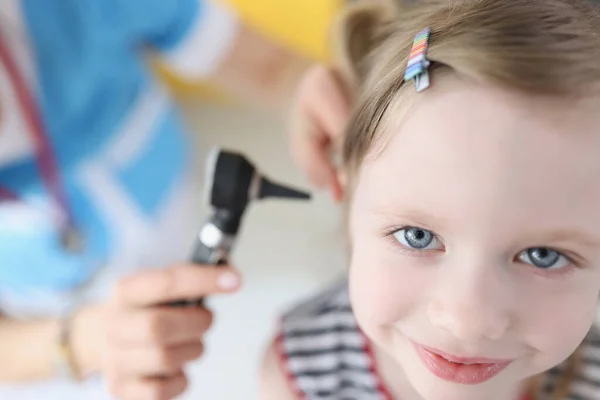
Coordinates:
228 281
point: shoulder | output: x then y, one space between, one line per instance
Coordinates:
323 324
274 384
331 299
278 378
320 352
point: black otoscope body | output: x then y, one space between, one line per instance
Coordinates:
233 183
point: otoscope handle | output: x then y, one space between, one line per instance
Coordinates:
205 255
212 248
202 255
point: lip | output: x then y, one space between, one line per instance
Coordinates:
463 370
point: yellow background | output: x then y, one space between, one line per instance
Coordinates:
300 25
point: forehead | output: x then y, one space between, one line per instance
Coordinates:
490 154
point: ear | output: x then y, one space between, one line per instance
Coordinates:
342 176
359 30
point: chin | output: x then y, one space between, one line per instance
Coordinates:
432 388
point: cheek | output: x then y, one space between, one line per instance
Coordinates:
384 289
557 325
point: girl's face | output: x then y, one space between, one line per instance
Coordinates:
476 239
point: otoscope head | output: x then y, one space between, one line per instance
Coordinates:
270 189
231 177
233 182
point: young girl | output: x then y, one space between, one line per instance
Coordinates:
473 198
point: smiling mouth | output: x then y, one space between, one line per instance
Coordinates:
463 370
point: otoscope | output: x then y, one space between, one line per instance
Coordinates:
232 183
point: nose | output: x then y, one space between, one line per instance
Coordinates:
471 304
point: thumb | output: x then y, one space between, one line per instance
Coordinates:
159 286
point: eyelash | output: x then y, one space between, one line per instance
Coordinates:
393 242
570 268
397 246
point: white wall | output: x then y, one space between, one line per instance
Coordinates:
286 250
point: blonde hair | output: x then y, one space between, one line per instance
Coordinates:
536 47
548 48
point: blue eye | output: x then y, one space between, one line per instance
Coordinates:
418 239
544 258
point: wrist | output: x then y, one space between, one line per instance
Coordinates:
87 340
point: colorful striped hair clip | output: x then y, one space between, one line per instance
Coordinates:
418 64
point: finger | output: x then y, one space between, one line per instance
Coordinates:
150 388
156 361
163 326
175 283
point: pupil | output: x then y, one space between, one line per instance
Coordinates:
419 235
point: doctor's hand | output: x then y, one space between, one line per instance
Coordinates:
147 344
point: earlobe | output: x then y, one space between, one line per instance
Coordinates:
343 178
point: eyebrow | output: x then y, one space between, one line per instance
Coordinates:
571 236
418 217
